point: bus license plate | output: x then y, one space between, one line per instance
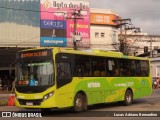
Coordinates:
29 103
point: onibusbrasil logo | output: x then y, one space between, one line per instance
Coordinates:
21 114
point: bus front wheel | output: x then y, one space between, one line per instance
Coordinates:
80 103
128 98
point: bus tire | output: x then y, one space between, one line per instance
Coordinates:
79 103
85 105
128 98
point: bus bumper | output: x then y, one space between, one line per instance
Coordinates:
49 103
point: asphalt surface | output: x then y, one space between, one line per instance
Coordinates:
147 105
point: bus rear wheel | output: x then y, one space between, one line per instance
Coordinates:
128 98
80 103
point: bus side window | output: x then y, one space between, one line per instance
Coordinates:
102 69
117 72
82 66
138 68
87 69
103 73
110 67
144 68
133 68
79 70
96 72
127 72
107 68
63 70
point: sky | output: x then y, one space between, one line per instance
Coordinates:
143 13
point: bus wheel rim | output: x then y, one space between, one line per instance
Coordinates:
79 102
128 97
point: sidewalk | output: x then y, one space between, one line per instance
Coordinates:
3 99
4 95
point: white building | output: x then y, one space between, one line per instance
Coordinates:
136 42
155 67
104 33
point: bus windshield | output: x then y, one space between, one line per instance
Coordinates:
35 73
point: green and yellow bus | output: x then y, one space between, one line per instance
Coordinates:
67 78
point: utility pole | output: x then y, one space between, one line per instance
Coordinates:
123 42
151 47
75 16
121 48
137 30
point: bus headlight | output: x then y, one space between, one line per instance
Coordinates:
48 96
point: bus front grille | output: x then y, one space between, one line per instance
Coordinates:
30 102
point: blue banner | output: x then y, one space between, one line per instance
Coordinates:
55 24
53 41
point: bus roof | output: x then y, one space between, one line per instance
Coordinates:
94 52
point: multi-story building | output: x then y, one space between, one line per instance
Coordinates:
104 32
139 43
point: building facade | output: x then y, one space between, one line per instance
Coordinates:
139 43
155 67
19 23
104 32
19 29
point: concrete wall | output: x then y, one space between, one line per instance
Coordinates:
16 35
155 67
110 37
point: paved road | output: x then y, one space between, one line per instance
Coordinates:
148 104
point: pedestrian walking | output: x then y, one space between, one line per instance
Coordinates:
13 86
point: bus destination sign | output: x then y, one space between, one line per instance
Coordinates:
34 54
